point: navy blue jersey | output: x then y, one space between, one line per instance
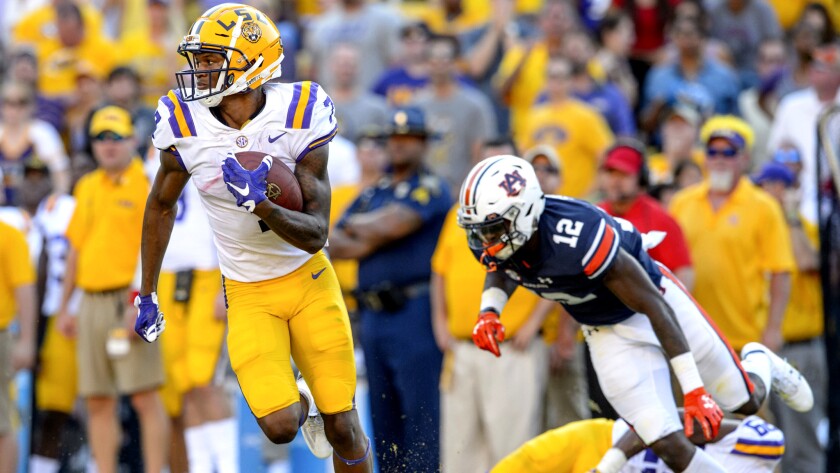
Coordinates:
578 243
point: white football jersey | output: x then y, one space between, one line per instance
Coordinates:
754 447
51 219
297 118
191 245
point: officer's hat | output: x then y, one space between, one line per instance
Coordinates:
408 121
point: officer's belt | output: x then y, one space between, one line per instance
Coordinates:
385 297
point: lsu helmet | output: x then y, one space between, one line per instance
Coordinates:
500 207
248 41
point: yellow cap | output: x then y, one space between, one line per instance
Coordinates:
729 127
111 118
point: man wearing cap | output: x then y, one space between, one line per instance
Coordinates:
104 235
392 228
802 328
623 181
737 238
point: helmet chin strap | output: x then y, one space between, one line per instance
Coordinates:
272 71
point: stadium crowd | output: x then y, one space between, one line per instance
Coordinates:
695 120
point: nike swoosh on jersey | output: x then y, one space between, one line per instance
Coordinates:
316 275
272 139
242 191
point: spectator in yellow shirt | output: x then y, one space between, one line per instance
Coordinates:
40 24
521 75
475 434
737 237
17 296
802 328
154 51
76 45
575 130
104 235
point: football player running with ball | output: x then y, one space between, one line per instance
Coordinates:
631 309
282 294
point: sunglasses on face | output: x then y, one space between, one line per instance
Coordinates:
727 153
108 136
546 169
16 102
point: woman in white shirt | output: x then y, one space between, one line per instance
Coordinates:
27 140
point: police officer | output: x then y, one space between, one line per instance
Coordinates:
392 229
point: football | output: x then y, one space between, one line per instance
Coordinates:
282 187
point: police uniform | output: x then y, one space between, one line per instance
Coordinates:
578 243
281 300
403 363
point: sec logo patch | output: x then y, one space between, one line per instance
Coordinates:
241 141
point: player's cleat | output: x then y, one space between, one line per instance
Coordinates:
788 383
313 427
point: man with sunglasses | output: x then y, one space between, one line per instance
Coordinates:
104 236
737 237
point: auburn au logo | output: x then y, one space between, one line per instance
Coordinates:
513 183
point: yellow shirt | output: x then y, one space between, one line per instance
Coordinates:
59 67
464 282
346 270
733 249
660 168
804 315
39 25
789 11
474 14
106 227
574 448
155 62
15 271
578 133
528 83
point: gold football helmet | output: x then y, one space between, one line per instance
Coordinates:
230 48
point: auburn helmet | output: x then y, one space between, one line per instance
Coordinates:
500 206
249 47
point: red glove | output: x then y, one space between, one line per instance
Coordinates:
700 406
488 331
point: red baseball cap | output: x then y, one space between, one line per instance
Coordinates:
626 159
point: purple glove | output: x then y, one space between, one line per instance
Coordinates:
247 186
150 323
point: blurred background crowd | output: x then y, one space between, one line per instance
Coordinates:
693 117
